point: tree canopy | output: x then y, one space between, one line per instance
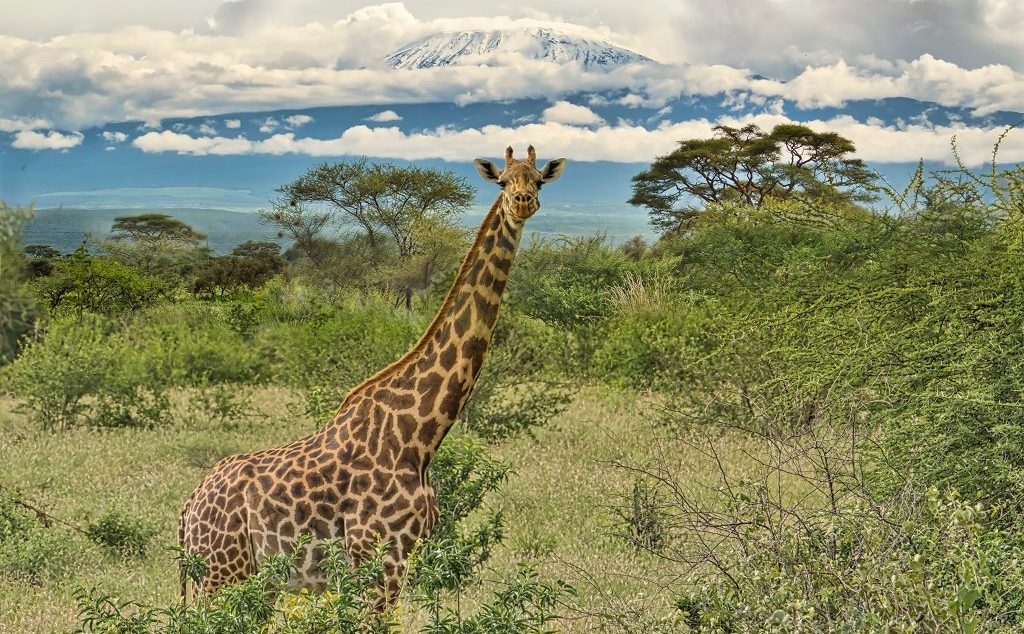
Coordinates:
749 166
249 265
157 243
391 218
154 227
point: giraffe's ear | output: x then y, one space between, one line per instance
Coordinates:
488 170
552 170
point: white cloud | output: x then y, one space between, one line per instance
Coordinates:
269 125
114 137
621 142
776 35
169 141
232 124
17 124
298 120
384 116
570 113
52 140
207 130
260 56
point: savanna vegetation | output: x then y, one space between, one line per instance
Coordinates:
799 410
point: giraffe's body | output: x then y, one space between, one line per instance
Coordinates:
363 477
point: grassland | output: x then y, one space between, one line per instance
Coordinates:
558 503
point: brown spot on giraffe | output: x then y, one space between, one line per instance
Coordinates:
362 478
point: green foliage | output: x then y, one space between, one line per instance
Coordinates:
525 605
84 282
845 561
462 474
653 334
94 370
40 259
157 244
250 265
122 535
17 305
748 166
82 371
328 348
401 222
566 283
196 344
29 551
154 228
522 385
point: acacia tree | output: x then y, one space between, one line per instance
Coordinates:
749 166
156 243
392 215
154 228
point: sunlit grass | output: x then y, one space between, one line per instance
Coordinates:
557 504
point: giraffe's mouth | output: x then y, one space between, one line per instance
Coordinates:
523 206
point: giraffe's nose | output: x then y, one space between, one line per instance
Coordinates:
523 198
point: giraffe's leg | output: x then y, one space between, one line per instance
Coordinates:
394 576
362 549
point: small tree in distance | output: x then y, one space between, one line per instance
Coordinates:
749 166
156 243
398 224
154 228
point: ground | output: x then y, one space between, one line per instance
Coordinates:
558 504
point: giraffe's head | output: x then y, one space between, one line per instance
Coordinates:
520 181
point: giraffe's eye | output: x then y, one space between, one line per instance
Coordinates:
502 184
539 185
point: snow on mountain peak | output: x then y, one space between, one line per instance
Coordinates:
488 47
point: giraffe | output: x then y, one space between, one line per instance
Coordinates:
363 477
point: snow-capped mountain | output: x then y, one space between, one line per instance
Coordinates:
489 47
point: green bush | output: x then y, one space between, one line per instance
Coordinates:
523 605
18 307
328 348
195 344
121 535
339 345
566 283
85 282
81 370
944 566
525 381
462 474
29 551
651 343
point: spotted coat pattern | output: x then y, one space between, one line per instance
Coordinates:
363 477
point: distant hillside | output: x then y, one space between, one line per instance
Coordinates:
65 228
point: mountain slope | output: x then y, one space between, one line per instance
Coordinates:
489 47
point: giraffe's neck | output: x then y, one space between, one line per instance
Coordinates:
441 369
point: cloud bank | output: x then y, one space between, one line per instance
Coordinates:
621 142
254 57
